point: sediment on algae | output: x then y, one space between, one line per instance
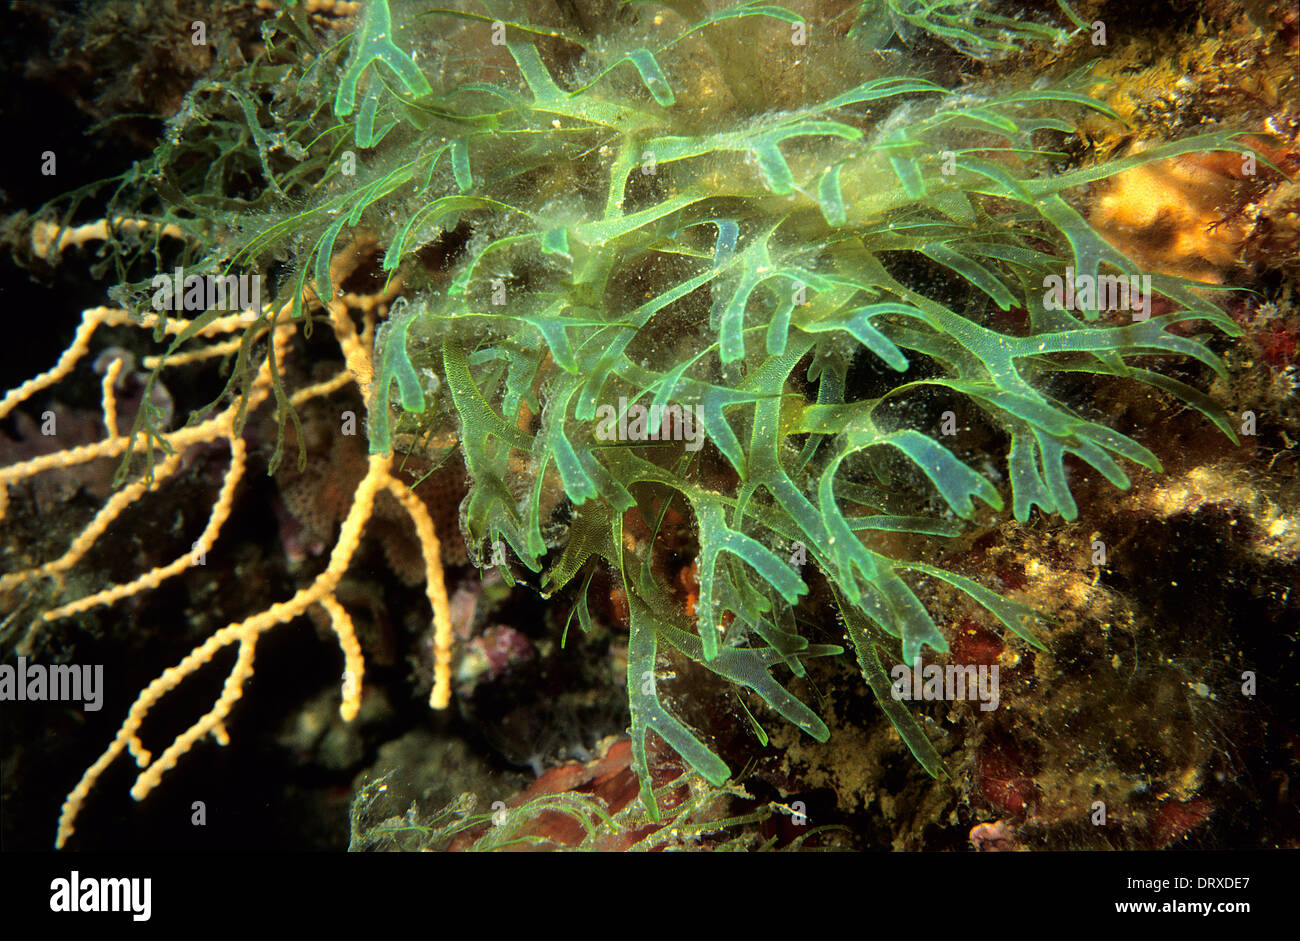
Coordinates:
620 211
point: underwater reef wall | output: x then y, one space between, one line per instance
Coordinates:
693 424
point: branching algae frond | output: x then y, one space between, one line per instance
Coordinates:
653 223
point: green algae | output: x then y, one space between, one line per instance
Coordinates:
608 241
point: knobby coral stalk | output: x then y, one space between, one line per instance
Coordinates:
224 426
